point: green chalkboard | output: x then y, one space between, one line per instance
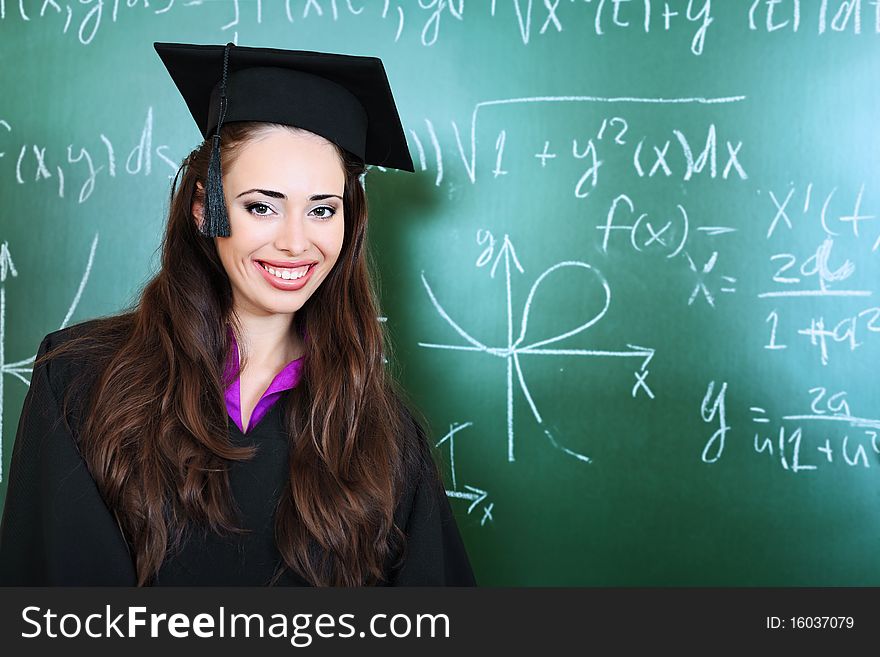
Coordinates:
632 284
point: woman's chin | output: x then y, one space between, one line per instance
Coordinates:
283 308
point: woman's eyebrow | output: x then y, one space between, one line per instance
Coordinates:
267 192
274 194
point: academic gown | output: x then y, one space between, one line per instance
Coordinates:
57 530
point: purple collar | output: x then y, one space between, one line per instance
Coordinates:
286 379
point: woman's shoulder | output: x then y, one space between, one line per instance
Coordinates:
68 333
71 355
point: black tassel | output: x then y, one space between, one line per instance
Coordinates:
216 219
216 223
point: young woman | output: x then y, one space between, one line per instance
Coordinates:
239 424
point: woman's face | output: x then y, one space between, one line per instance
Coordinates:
284 200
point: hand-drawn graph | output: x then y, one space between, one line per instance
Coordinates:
515 348
471 493
20 368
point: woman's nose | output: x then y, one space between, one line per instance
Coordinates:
292 235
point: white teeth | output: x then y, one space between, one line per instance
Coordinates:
286 274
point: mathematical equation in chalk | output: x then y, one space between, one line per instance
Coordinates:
681 154
681 157
830 269
59 168
686 21
828 433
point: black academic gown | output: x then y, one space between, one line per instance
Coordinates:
57 530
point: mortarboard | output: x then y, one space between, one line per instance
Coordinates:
344 98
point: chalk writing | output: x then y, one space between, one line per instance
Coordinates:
513 349
20 368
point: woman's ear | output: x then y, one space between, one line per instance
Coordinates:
198 206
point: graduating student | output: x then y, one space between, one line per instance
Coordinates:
238 425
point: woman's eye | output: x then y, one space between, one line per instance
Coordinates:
324 211
262 210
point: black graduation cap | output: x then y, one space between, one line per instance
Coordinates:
344 98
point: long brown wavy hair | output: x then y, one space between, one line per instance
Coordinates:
154 430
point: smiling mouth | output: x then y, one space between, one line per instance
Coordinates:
286 273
